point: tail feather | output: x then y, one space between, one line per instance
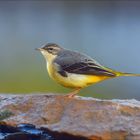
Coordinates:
127 74
118 73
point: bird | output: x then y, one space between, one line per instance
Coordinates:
75 70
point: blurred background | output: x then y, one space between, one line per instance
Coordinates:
108 31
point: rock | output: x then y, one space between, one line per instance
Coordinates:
83 117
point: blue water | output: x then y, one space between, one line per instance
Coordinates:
24 131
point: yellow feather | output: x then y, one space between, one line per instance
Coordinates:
74 80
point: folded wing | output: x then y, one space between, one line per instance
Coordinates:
80 64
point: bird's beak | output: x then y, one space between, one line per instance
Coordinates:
39 49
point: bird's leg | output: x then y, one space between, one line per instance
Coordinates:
72 94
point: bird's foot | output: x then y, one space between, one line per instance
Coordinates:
73 94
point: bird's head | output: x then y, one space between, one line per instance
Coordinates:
50 50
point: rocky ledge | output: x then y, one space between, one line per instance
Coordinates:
78 118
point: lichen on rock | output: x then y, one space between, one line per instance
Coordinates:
5 114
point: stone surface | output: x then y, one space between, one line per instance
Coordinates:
80 116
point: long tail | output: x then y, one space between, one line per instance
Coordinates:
118 73
126 74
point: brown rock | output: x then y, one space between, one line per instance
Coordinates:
80 116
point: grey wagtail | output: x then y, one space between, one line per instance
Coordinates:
75 70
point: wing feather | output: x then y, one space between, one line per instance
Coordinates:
78 63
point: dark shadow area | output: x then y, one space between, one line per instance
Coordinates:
30 132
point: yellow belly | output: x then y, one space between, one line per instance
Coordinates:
74 80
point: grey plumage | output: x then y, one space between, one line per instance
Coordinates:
74 62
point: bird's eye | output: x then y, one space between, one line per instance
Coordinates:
50 49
